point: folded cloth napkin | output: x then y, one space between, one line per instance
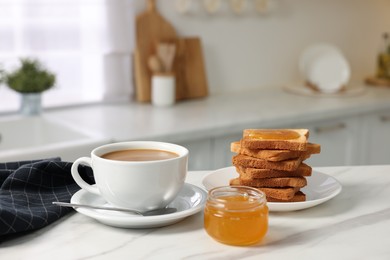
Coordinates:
28 188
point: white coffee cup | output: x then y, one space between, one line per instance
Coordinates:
140 185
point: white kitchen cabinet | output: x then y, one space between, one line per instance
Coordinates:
355 140
210 153
222 154
339 140
200 154
375 138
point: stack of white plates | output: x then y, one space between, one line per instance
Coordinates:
325 67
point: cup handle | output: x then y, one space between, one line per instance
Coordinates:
76 175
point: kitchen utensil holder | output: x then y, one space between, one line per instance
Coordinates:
163 89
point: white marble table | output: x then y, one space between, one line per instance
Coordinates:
353 225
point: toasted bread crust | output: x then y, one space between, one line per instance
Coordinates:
279 193
297 182
269 155
251 162
275 155
285 193
313 148
254 173
276 145
299 196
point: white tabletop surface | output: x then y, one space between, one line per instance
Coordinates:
353 225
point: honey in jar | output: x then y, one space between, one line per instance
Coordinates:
236 215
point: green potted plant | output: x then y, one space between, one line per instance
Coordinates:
30 80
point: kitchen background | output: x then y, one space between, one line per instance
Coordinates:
89 44
242 52
252 50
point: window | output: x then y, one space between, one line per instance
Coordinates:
86 43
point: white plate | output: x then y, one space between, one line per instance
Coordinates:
312 51
320 188
325 66
190 200
329 72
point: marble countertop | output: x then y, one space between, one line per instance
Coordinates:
353 225
218 114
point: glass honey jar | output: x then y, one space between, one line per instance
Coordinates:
236 215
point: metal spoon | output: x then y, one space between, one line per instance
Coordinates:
153 212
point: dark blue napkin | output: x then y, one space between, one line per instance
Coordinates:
28 188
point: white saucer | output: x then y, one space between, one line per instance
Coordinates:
320 188
190 200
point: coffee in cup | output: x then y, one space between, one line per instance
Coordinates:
139 155
141 175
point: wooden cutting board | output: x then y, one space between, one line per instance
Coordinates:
151 28
374 81
190 71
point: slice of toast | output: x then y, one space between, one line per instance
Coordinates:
296 182
254 173
279 139
285 193
312 148
269 155
275 155
251 162
299 196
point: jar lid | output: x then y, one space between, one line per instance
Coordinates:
236 198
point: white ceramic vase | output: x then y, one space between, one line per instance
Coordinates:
31 104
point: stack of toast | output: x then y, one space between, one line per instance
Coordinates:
272 160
